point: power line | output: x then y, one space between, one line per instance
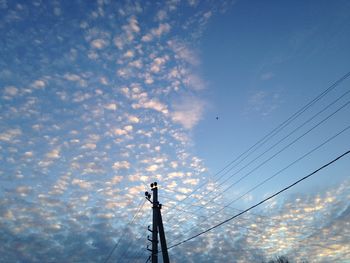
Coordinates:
135 255
284 148
193 213
261 202
272 133
285 168
296 129
138 255
140 206
265 138
291 118
137 239
280 171
250 229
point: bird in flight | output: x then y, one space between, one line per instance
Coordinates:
217 117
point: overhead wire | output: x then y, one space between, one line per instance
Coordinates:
128 248
294 162
291 118
267 137
137 256
276 221
296 129
228 213
140 206
140 236
262 201
300 243
281 170
284 148
272 133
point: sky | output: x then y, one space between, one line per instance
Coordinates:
223 103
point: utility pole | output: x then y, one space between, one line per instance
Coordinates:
157 227
155 224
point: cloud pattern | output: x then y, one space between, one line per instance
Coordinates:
97 100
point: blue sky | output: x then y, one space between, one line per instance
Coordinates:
101 98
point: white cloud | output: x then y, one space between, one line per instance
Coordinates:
130 29
54 154
152 168
11 91
136 63
39 84
72 77
116 179
191 181
93 55
121 165
84 198
129 54
147 38
10 135
82 184
124 72
172 185
124 131
119 132
128 128
263 102
160 160
158 63
194 81
162 29
136 190
151 104
133 119
90 146
148 79
138 177
111 106
175 175
118 42
99 43
109 113
174 164
188 112
28 154
104 80
133 24
80 96
183 52
24 190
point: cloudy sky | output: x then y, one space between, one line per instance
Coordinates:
100 98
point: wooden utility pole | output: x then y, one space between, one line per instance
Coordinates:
157 226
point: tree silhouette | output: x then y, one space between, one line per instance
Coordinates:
282 259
